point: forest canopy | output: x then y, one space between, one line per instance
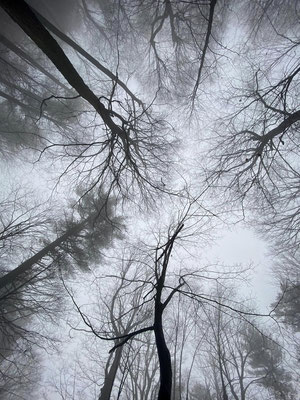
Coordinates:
134 135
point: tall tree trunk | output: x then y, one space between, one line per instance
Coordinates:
164 356
19 52
85 54
11 277
110 376
22 14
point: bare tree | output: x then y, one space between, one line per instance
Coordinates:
103 112
246 359
120 325
255 154
169 33
31 294
137 381
131 148
157 285
158 291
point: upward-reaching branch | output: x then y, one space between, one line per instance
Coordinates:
131 148
205 47
22 14
85 54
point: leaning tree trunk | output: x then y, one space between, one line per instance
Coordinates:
110 376
11 277
85 54
20 53
23 15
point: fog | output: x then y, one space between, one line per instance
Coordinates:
149 206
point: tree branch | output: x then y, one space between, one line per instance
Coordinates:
86 55
208 33
129 336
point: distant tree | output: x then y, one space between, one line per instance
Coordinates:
21 220
78 239
137 381
266 361
287 304
19 374
167 33
119 305
246 359
200 392
33 291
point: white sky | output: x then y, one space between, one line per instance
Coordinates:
236 246
241 246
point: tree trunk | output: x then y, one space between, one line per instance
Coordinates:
12 276
22 14
110 376
164 357
19 52
85 54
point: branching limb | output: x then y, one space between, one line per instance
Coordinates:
205 47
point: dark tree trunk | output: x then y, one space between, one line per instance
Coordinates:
85 54
22 14
165 365
164 357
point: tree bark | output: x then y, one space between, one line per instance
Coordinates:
19 52
85 54
22 14
109 379
12 276
165 366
